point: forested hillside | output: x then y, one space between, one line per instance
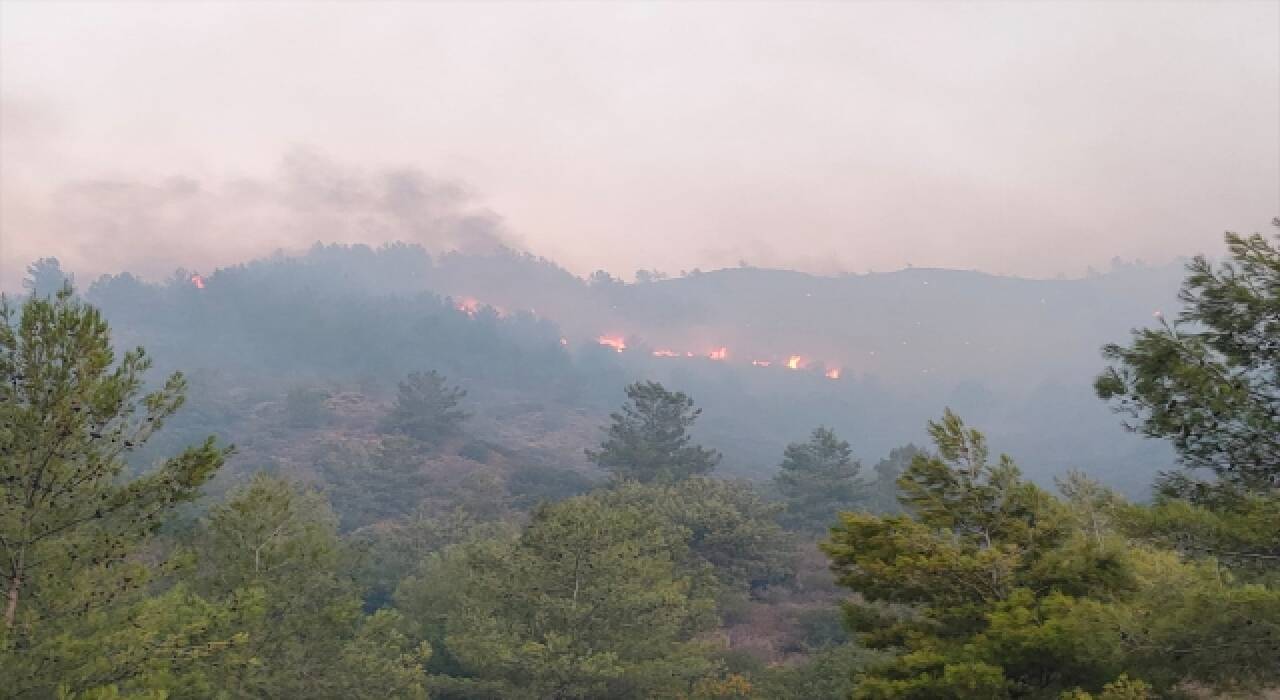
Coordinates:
874 355
366 489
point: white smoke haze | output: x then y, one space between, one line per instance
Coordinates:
151 227
1019 138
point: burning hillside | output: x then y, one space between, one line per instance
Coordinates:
618 343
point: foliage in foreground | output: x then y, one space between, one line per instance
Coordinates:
992 587
1210 381
74 525
977 584
590 600
271 553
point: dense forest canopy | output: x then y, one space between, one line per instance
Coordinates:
368 484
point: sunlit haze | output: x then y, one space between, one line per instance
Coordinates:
1034 139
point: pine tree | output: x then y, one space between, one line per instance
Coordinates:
1209 382
69 417
73 517
649 441
426 408
45 278
817 479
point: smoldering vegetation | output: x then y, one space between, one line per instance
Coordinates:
875 355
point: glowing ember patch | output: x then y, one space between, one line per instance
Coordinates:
617 342
197 281
472 306
665 353
833 373
794 361
719 353
761 363
688 354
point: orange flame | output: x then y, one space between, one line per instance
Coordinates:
198 281
761 363
719 353
617 342
833 373
794 361
472 306
665 353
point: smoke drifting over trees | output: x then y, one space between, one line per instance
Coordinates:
903 343
639 351
150 226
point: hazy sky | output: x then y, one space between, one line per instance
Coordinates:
1031 138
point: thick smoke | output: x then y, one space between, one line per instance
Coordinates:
154 226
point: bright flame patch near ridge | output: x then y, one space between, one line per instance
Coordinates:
472 306
198 281
617 342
